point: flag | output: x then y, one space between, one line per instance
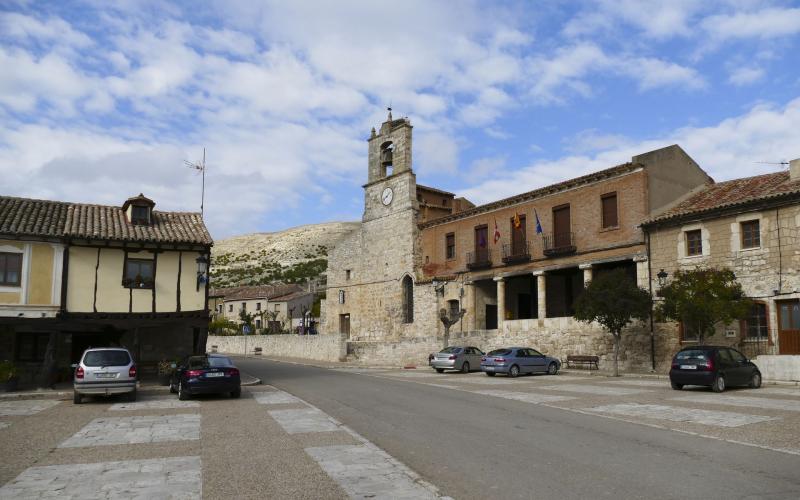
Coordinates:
496 232
538 223
517 222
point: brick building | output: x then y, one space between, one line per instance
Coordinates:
420 250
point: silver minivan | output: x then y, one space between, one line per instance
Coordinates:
104 371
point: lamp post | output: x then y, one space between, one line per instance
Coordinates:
662 278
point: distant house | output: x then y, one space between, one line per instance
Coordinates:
281 304
75 275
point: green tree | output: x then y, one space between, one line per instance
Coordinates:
222 326
613 300
702 298
247 319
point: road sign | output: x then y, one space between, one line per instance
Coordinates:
246 330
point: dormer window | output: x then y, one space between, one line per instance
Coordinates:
139 210
140 215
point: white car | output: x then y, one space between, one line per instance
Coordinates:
104 371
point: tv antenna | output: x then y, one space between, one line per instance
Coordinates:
773 162
201 167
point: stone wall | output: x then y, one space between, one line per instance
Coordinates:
312 347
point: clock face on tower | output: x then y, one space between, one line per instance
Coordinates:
386 196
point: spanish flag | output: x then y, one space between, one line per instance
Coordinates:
517 222
496 232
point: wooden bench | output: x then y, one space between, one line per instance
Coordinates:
257 350
581 359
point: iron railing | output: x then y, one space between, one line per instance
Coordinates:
558 244
479 259
517 252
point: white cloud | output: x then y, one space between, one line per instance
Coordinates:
654 18
435 152
726 150
746 75
764 23
28 28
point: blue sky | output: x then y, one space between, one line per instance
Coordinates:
99 102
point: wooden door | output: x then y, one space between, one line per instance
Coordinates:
789 326
481 243
561 227
518 237
344 324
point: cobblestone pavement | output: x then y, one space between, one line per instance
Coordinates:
768 417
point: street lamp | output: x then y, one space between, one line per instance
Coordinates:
662 277
202 270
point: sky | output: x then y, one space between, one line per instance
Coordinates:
100 101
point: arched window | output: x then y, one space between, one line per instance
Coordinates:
387 158
408 300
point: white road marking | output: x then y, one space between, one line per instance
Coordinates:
365 471
131 430
596 390
525 396
680 414
173 478
304 420
724 399
25 407
275 398
155 403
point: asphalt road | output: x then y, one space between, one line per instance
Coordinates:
473 446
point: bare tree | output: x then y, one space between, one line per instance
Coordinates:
448 320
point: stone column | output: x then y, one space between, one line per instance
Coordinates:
642 272
587 274
471 305
501 302
541 294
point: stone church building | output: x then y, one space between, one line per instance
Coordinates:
515 266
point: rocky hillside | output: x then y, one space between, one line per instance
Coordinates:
291 256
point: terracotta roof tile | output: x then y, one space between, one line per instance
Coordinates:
26 217
257 291
730 194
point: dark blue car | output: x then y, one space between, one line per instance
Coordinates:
206 374
515 360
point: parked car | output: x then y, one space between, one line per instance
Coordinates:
205 374
515 360
714 366
461 358
104 371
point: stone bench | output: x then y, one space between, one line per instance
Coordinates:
581 359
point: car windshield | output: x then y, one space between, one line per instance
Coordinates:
106 358
451 350
500 352
219 362
692 354
198 362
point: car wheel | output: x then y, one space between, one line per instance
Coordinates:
676 386
490 374
440 370
465 367
77 398
552 369
513 372
182 394
235 394
719 384
755 381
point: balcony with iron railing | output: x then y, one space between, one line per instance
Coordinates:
557 244
479 259
515 253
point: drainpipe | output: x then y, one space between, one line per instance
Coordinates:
650 287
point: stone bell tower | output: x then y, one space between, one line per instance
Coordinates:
391 184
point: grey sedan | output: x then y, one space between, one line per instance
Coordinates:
463 359
516 360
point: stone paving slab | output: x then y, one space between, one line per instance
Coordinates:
642 383
25 407
365 471
776 391
525 396
304 420
3 425
753 402
133 430
167 478
155 403
412 374
681 414
275 398
595 390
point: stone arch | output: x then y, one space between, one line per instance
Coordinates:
387 158
407 290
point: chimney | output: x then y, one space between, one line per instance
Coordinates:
794 170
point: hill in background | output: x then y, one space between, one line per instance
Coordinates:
295 255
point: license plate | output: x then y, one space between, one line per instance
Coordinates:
215 374
688 367
489 368
105 375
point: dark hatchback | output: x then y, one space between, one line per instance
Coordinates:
715 366
206 374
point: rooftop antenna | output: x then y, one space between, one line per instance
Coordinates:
782 162
202 168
